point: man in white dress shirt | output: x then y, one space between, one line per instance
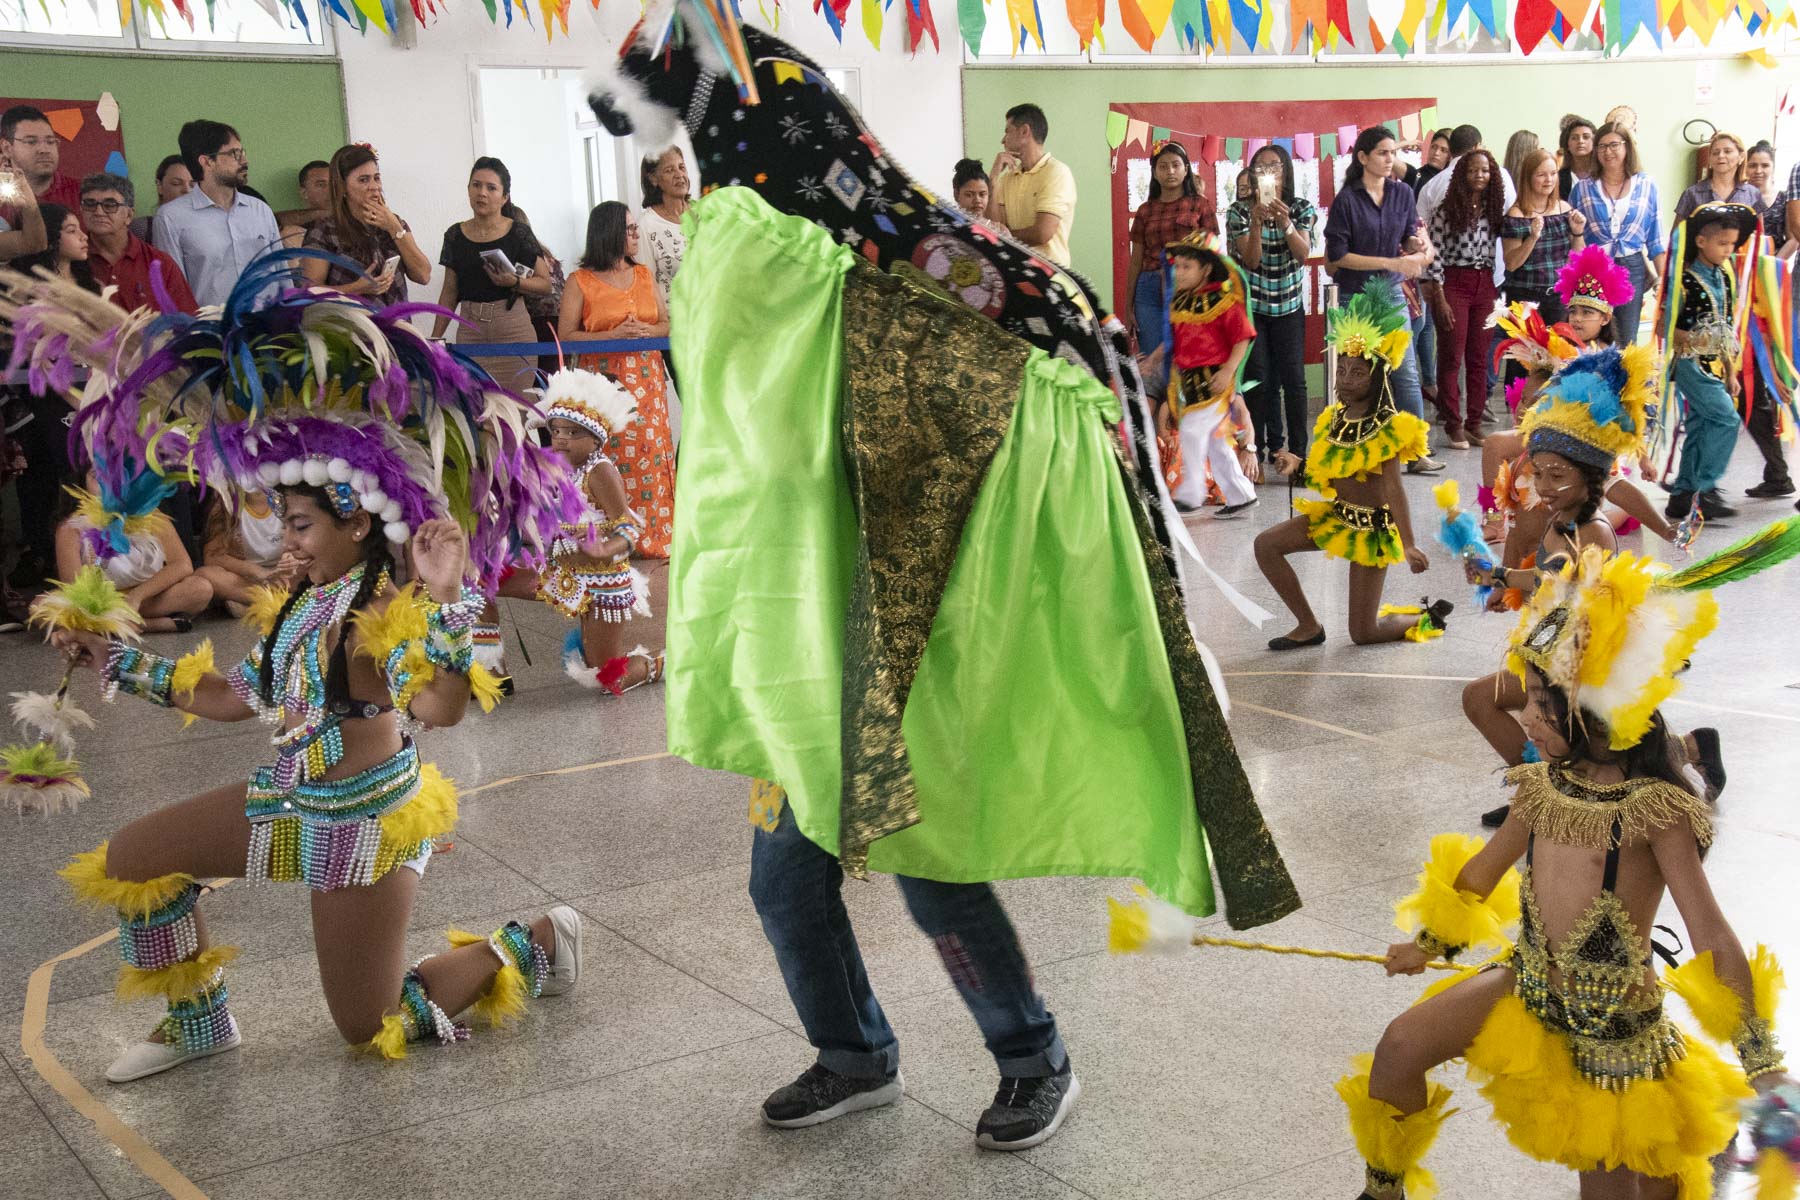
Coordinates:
214 231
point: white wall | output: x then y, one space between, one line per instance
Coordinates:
417 106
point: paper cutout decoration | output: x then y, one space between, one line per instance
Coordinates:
115 164
108 112
1305 146
1115 128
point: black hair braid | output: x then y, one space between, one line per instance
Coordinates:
1596 479
268 650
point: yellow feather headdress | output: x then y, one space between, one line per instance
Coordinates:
1605 632
1372 326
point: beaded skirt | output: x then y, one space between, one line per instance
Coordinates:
344 832
587 588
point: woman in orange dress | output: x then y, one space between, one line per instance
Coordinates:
612 294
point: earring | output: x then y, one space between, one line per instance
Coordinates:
357 536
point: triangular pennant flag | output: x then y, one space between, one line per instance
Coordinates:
1246 18
1116 122
1186 16
971 19
1234 149
1145 20
1328 145
1532 20
1305 146
918 21
1086 17
1346 136
1137 133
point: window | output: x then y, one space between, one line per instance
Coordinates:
227 26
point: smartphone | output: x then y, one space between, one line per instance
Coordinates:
12 187
387 268
497 261
1268 188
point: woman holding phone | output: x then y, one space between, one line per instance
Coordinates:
491 262
613 295
361 227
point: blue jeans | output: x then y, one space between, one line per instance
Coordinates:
1151 312
797 889
1425 345
1627 316
1711 425
1405 381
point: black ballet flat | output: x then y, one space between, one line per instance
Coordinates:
1287 643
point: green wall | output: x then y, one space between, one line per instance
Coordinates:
288 112
1499 97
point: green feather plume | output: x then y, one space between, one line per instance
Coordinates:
37 777
88 602
1767 547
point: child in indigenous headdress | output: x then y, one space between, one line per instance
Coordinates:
385 454
1565 1032
1359 447
1209 319
135 543
1705 347
1591 285
590 577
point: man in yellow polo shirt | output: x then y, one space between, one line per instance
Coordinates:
1034 194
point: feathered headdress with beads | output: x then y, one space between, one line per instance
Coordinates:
1592 410
588 399
1592 279
1614 631
1529 341
1372 326
289 385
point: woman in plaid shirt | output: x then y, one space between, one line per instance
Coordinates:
1176 207
1537 236
1624 215
1270 233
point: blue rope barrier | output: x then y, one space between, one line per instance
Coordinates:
535 349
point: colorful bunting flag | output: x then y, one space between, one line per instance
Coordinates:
1305 146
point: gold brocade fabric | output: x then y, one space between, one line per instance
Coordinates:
928 396
1246 865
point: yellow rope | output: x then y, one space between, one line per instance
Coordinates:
1201 939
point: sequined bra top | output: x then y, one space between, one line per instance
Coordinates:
1589 986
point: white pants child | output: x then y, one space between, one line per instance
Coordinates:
1205 450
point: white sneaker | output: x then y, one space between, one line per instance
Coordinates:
153 1058
565 964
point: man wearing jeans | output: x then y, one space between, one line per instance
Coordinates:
796 887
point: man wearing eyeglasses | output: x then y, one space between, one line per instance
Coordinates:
214 231
33 149
121 258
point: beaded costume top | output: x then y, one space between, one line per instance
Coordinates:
304 825
1346 447
1590 986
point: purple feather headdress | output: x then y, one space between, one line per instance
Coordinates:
286 385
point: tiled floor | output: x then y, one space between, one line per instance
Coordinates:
1208 1076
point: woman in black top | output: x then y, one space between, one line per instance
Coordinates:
1577 145
488 295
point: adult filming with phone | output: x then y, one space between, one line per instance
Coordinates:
361 228
491 262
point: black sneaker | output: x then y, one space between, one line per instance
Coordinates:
1232 510
1679 506
1713 506
822 1095
1771 489
1494 818
1439 612
1027 1111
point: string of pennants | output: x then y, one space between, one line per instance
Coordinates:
1129 132
1199 25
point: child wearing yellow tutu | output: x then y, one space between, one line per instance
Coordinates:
1565 1034
1358 448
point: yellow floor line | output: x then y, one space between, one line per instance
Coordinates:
577 769
130 1143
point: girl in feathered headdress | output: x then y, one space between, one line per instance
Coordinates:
1590 285
589 577
389 457
1358 449
1564 1032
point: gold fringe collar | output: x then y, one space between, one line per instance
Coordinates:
1567 809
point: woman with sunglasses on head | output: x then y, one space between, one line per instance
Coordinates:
1177 207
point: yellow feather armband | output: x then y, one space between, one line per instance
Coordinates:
1448 921
1720 1010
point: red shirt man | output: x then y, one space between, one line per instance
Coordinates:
31 148
120 258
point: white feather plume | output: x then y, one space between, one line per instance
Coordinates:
41 717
